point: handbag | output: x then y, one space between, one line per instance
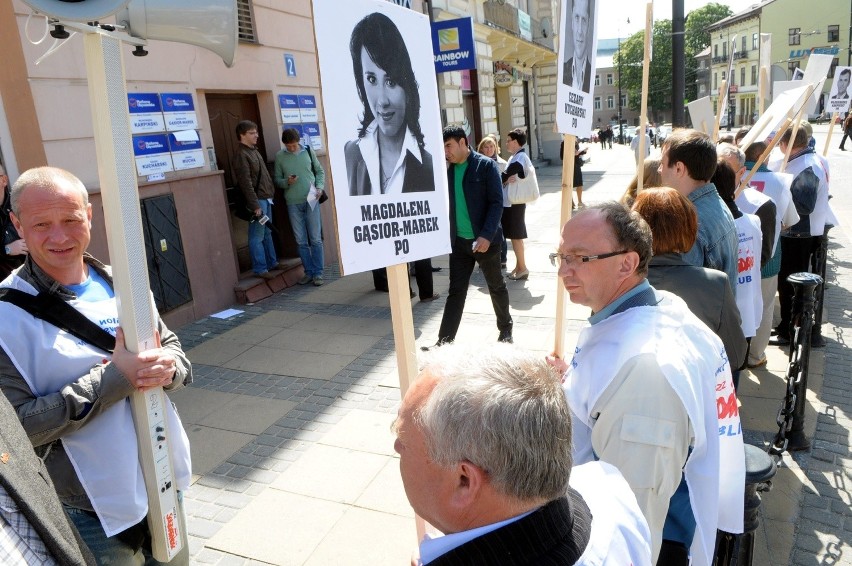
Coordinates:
524 190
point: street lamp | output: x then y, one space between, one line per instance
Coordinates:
620 125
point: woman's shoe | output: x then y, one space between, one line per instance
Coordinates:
518 275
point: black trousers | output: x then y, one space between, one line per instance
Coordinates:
422 274
462 262
795 257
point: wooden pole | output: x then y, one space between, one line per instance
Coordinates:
830 131
568 144
643 113
723 102
763 156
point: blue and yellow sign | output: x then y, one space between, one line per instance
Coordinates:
452 45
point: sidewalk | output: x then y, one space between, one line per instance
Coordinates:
289 415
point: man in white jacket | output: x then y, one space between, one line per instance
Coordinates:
650 388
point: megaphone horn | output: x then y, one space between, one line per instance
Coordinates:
211 24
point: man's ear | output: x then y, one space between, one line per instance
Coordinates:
16 223
470 480
629 264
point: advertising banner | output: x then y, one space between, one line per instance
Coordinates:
452 45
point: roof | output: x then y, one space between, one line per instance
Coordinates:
750 12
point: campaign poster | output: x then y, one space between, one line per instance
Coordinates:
576 67
383 133
186 149
179 111
308 108
146 114
289 104
311 133
151 153
840 93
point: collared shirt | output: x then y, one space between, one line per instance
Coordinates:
20 543
610 309
432 548
716 244
579 72
369 145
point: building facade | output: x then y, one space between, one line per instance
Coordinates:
607 91
735 59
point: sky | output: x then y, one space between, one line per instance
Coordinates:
611 27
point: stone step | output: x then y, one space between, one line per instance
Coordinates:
251 288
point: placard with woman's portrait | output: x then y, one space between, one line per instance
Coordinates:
383 121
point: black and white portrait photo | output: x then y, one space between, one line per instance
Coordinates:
579 53
389 155
841 94
383 122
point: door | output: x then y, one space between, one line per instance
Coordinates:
164 251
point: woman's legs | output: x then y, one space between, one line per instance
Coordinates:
579 190
520 260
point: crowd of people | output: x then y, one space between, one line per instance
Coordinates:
618 451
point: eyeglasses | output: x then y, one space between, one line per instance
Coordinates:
556 258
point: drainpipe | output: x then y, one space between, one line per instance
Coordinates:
539 153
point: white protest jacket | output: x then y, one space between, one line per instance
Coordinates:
694 362
104 453
749 296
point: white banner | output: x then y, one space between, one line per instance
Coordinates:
576 73
384 137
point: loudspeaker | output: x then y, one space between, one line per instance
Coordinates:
211 24
77 10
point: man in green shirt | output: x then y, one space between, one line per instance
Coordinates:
476 206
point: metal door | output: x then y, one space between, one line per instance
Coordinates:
164 250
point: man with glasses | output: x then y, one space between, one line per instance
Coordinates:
642 384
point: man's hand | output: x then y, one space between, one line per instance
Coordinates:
555 361
258 212
151 368
481 245
18 247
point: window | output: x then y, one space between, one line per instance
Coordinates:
609 78
733 77
725 50
792 66
715 81
723 75
597 103
742 77
597 80
833 33
794 36
245 22
624 101
716 50
610 103
744 47
753 75
834 63
755 41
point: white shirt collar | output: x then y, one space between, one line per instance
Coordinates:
432 548
369 146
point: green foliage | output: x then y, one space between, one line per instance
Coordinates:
631 56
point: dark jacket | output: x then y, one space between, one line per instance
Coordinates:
707 293
555 534
9 235
483 193
25 478
419 177
251 175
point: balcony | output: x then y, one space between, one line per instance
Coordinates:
741 54
505 17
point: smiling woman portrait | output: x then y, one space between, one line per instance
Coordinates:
389 156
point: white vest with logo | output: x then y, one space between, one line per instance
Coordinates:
104 452
749 296
715 469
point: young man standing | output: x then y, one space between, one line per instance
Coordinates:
253 180
296 171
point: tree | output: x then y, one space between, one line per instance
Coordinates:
631 55
696 38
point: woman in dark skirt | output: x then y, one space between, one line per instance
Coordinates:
514 226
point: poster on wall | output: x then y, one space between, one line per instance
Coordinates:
576 73
289 104
151 153
383 133
453 46
179 111
146 114
186 149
